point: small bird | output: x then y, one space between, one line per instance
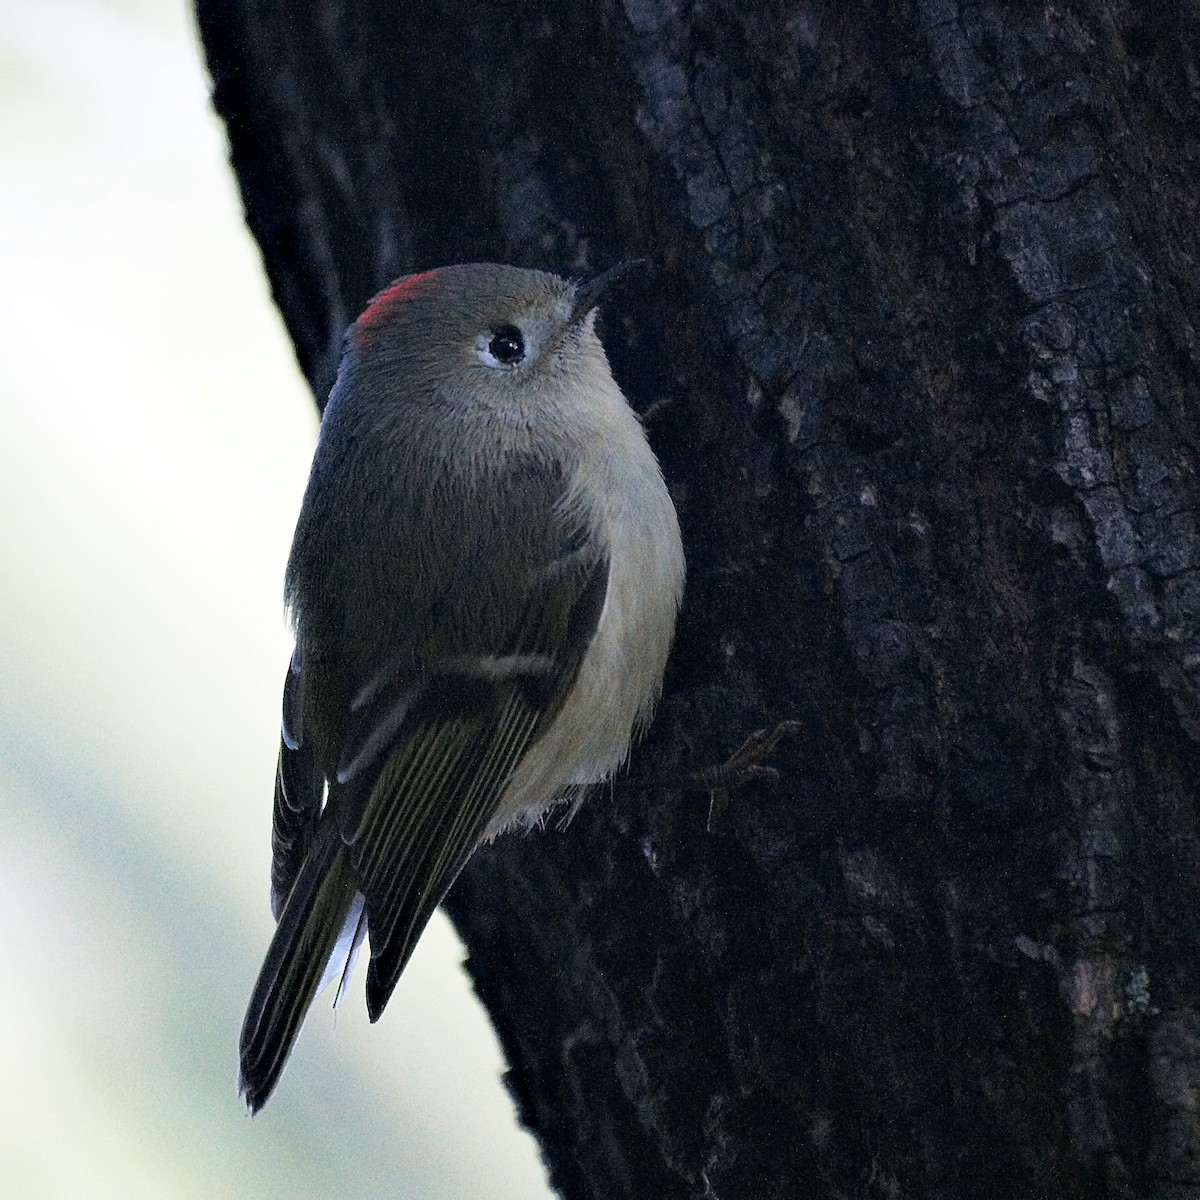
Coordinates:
483 584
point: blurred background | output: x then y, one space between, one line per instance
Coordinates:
155 436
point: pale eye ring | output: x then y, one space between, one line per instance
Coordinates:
507 346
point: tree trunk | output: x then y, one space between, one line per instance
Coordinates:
922 344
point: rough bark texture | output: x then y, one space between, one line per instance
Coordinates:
925 319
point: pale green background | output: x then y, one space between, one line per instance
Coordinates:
154 439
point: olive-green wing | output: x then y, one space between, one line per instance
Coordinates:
299 793
412 813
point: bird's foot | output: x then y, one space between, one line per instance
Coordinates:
745 765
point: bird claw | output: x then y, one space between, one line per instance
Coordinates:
743 766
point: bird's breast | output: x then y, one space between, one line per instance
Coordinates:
620 489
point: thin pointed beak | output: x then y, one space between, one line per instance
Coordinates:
587 295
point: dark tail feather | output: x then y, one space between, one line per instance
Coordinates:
307 934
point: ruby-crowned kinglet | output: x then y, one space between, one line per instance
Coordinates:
483 583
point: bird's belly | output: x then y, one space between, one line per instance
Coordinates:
619 678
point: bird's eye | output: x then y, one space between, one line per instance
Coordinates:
507 346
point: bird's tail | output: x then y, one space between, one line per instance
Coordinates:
322 905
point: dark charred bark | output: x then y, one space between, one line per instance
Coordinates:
925 322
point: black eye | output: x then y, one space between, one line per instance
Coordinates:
507 346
